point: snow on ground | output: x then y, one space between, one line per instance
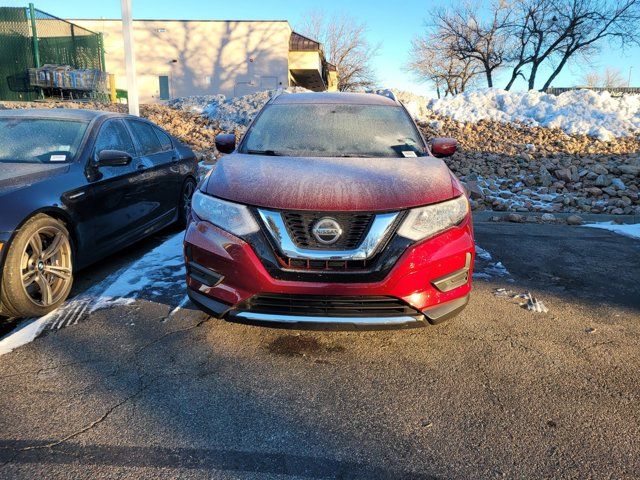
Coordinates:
597 114
158 276
628 230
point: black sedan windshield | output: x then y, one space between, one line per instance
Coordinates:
39 140
334 130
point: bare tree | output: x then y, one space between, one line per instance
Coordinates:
610 78
555 31
346 46
587 22
435 63
592 79
471 36
531 32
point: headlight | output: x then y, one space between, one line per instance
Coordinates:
427 221
232 217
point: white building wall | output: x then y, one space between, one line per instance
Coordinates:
199 57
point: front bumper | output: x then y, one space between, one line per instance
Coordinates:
432 278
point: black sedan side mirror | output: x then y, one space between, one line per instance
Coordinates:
226 142
113 158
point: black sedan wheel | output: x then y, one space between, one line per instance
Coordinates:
38 271
185 202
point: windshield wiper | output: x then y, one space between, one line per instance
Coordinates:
271 153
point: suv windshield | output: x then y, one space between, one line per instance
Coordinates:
38 140
333 130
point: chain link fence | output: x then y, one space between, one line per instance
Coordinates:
32 39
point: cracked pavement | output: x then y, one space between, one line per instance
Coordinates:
497 392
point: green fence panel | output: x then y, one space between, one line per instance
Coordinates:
59 43
16 54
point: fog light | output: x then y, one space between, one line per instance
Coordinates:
455 279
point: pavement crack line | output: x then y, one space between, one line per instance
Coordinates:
172 332
50 369
87 427
128 398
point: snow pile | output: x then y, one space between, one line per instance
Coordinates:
578 112
196 103
631 231
233 113
417 105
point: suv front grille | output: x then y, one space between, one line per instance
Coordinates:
328 265
327 305
354 227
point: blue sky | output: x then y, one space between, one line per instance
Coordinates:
392 23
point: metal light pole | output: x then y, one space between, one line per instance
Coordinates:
129 58
629 80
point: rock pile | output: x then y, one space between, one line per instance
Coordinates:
512 167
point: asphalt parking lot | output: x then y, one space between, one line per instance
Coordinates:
152 389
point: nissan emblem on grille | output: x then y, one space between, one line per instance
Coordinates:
327 231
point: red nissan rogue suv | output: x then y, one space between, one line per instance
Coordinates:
332 209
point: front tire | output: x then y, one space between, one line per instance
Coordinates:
38 270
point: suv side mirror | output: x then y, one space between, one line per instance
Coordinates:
113 158
226 142
443 147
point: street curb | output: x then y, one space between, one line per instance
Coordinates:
485 216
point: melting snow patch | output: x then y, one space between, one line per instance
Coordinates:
156 272
482 253
632 231
24 333
183 303
533 304
525 300
486 268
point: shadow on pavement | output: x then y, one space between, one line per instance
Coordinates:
202 458
583 265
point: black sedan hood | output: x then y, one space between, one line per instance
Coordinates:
14 176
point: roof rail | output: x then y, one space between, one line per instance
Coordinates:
386 93
278 92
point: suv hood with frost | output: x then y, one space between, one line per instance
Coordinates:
331 184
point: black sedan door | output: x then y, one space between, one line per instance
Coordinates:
114 199
158 163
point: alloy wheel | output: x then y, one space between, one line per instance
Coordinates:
187 193
46 267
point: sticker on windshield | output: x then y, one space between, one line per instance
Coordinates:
57 158
409 153
64 148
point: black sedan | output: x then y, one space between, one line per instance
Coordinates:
75 186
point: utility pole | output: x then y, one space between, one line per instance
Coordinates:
130 58
629 80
